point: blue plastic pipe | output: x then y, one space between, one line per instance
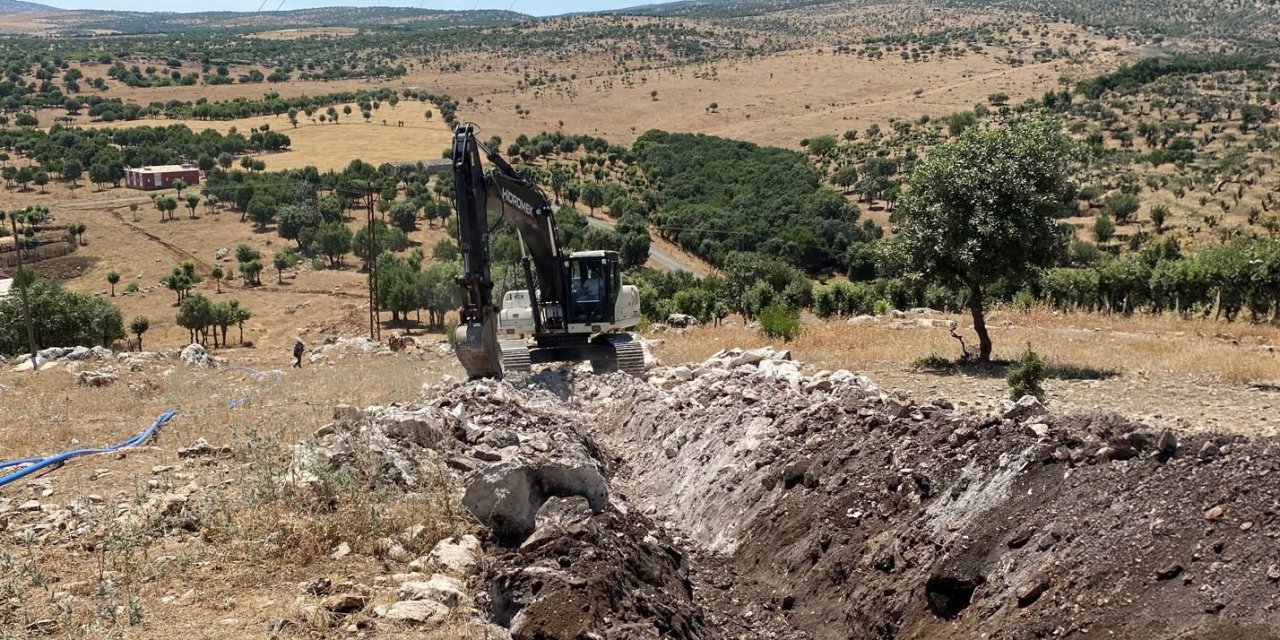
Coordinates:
36 464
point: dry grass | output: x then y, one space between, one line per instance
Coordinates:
145 250
1159 345
236 554
329 146
1199 372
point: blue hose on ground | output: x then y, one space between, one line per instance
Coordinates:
36 464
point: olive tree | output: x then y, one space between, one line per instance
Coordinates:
983 208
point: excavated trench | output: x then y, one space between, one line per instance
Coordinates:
824 507
744 498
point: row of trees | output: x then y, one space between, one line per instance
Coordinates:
404 286
208 320
103 153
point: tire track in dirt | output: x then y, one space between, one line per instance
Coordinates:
173 248
183 254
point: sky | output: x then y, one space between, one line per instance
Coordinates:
534 7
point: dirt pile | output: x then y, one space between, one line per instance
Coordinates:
744 497
874 516
747 497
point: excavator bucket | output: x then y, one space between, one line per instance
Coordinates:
477 347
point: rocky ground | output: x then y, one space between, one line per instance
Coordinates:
751 497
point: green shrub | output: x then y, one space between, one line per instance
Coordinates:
59 319
132 287
931 362
776 321
1025 377
880 307
1024 300
317 264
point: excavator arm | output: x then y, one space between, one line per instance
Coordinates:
505 190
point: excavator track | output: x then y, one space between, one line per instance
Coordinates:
515 356
629 354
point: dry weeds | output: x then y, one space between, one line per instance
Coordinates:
235 555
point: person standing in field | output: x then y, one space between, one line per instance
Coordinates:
298 349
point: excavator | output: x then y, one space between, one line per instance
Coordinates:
574 308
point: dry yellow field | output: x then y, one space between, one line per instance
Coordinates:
333 146
144 250
1212 375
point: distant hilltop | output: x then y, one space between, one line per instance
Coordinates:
18 6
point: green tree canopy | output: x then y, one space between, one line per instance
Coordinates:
983 208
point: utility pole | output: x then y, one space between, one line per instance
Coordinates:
375 328
21 278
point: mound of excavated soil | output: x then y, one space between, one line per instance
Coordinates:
745 498
821 506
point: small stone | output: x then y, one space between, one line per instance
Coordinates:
1245 526
1273 573
341 551
457 557
1213 514
278 625
1169 572
1028 593
345 603
416 611
1208 451
1021 538
43 626
321 587
440 588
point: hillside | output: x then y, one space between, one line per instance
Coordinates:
19 6
720 8
395 18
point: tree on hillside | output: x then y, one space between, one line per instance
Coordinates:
41 179
71 171
1121 206
1103 228
193 201
113 278
592 196
404 215
333 240
1159 214
282 260
292 220
983 209
845 177
178 185
167 206
139 326
261 210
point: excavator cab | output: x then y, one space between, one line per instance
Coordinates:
595 278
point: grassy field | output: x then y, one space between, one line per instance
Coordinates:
1216 376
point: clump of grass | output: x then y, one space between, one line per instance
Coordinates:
932 361
352 502
1025 377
